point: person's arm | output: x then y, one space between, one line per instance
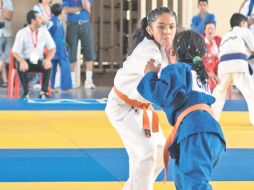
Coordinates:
22 62
151 87
72 10
241 6
7 11
50 56
7 15
16 51
86 5
248 39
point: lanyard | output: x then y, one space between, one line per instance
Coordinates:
35 41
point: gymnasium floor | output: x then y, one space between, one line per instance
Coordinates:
69 145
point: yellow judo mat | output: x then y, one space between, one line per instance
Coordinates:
91 130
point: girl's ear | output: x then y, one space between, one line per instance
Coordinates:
149 30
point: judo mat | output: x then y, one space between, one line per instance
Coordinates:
69 144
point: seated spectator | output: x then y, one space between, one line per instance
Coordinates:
198 21
56 30
6 14
212 59
28 49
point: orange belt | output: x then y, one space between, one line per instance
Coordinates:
144 107
166 154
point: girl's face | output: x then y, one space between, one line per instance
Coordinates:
163 29
244 24
210 30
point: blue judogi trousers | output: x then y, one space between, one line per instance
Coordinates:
198 155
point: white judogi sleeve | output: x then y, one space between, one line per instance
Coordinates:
128 77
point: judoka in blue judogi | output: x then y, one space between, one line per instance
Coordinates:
56 30
199 141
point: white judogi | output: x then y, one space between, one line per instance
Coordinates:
234 71
145 154
245 11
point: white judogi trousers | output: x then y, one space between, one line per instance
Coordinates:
145 154
244 82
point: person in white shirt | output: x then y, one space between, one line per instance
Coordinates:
247 10
28 50
129 113
6 14
235 48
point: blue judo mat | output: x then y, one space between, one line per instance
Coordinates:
91 165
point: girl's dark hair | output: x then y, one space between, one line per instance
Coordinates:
190 48
140 33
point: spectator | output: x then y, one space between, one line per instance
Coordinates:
80 28
43 8
247 10
6 13
28 50
212 58
198 21
235 47
61 56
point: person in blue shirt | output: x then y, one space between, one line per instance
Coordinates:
199 141
80 28
199 21
56 30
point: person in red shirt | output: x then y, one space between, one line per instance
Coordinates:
211 61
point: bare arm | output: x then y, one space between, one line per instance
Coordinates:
51 54
47 61
18 57
72 10
23 64
86 5
7 15
242 5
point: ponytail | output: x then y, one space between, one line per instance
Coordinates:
139 34
190 48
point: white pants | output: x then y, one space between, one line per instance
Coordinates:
244 82
145 154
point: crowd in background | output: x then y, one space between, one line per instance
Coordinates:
60 71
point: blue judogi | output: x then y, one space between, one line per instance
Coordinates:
199 141
198 23
61 57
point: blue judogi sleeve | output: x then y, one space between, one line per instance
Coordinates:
170 89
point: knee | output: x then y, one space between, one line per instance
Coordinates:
148 153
